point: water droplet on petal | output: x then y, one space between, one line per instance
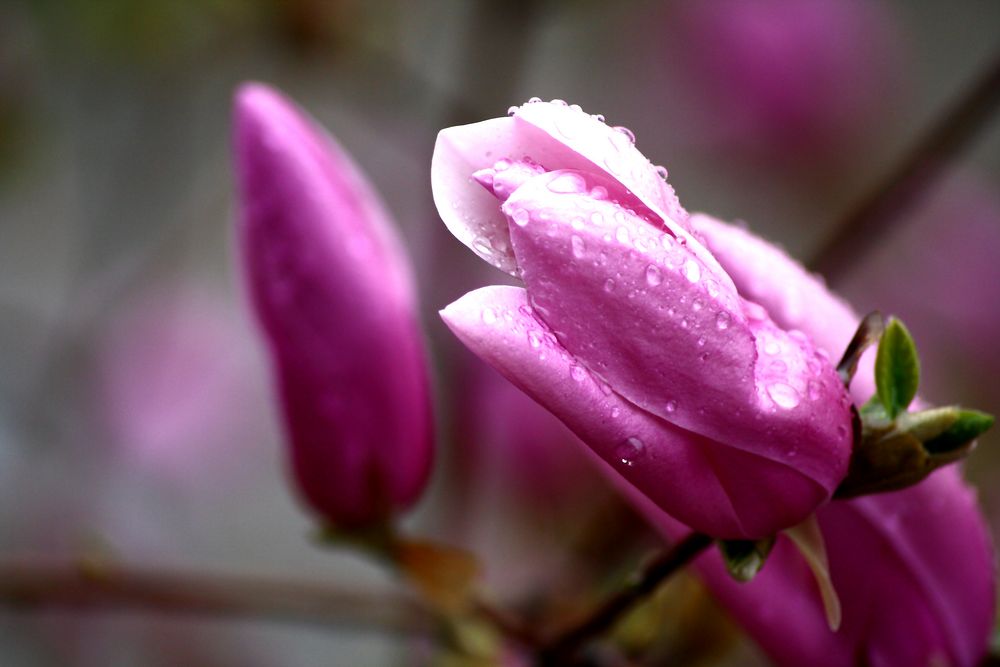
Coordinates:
609 285
653 275
722 320
559 102
512 110
815 390
567 184
783 395
630 451
692 271
534 100
534 339
615 411
712 288
697 305
577 373
628 134
779 366
621 234
772 347
661 171
520 217
489 315
483 246
671 406
599 192
577 243
701 341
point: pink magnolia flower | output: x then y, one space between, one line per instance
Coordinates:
629 330
332 290
913 569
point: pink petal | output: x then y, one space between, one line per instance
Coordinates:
557 137
793 297
646 315
715 488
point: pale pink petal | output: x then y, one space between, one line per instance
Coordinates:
712 486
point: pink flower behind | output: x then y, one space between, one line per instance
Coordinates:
630 331
789 78
173 377
332 291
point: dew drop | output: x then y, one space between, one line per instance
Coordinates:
489 315
615 411
534 100
627 133
779 366
520 217
671 406
577 373
577 243
621 234
783 395
599 192
483 246
692 271
772 347
512 110
712 288
701 341
567 184
597 218
534 339
609 285
661 171
684 322
653 275
722 320
814 390
630 451
558 102
697 305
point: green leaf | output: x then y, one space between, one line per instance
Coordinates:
745 558
968 426
897 369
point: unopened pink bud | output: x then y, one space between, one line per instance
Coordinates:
333 293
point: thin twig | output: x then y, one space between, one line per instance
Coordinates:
560 649
82 586
872 217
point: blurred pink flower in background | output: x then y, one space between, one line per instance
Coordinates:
629 330
787 78
176 382
332 291
940 272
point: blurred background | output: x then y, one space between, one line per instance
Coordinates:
135 413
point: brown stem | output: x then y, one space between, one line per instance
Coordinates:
872 217
560 649
89 586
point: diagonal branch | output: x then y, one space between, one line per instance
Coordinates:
560 649
872 217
